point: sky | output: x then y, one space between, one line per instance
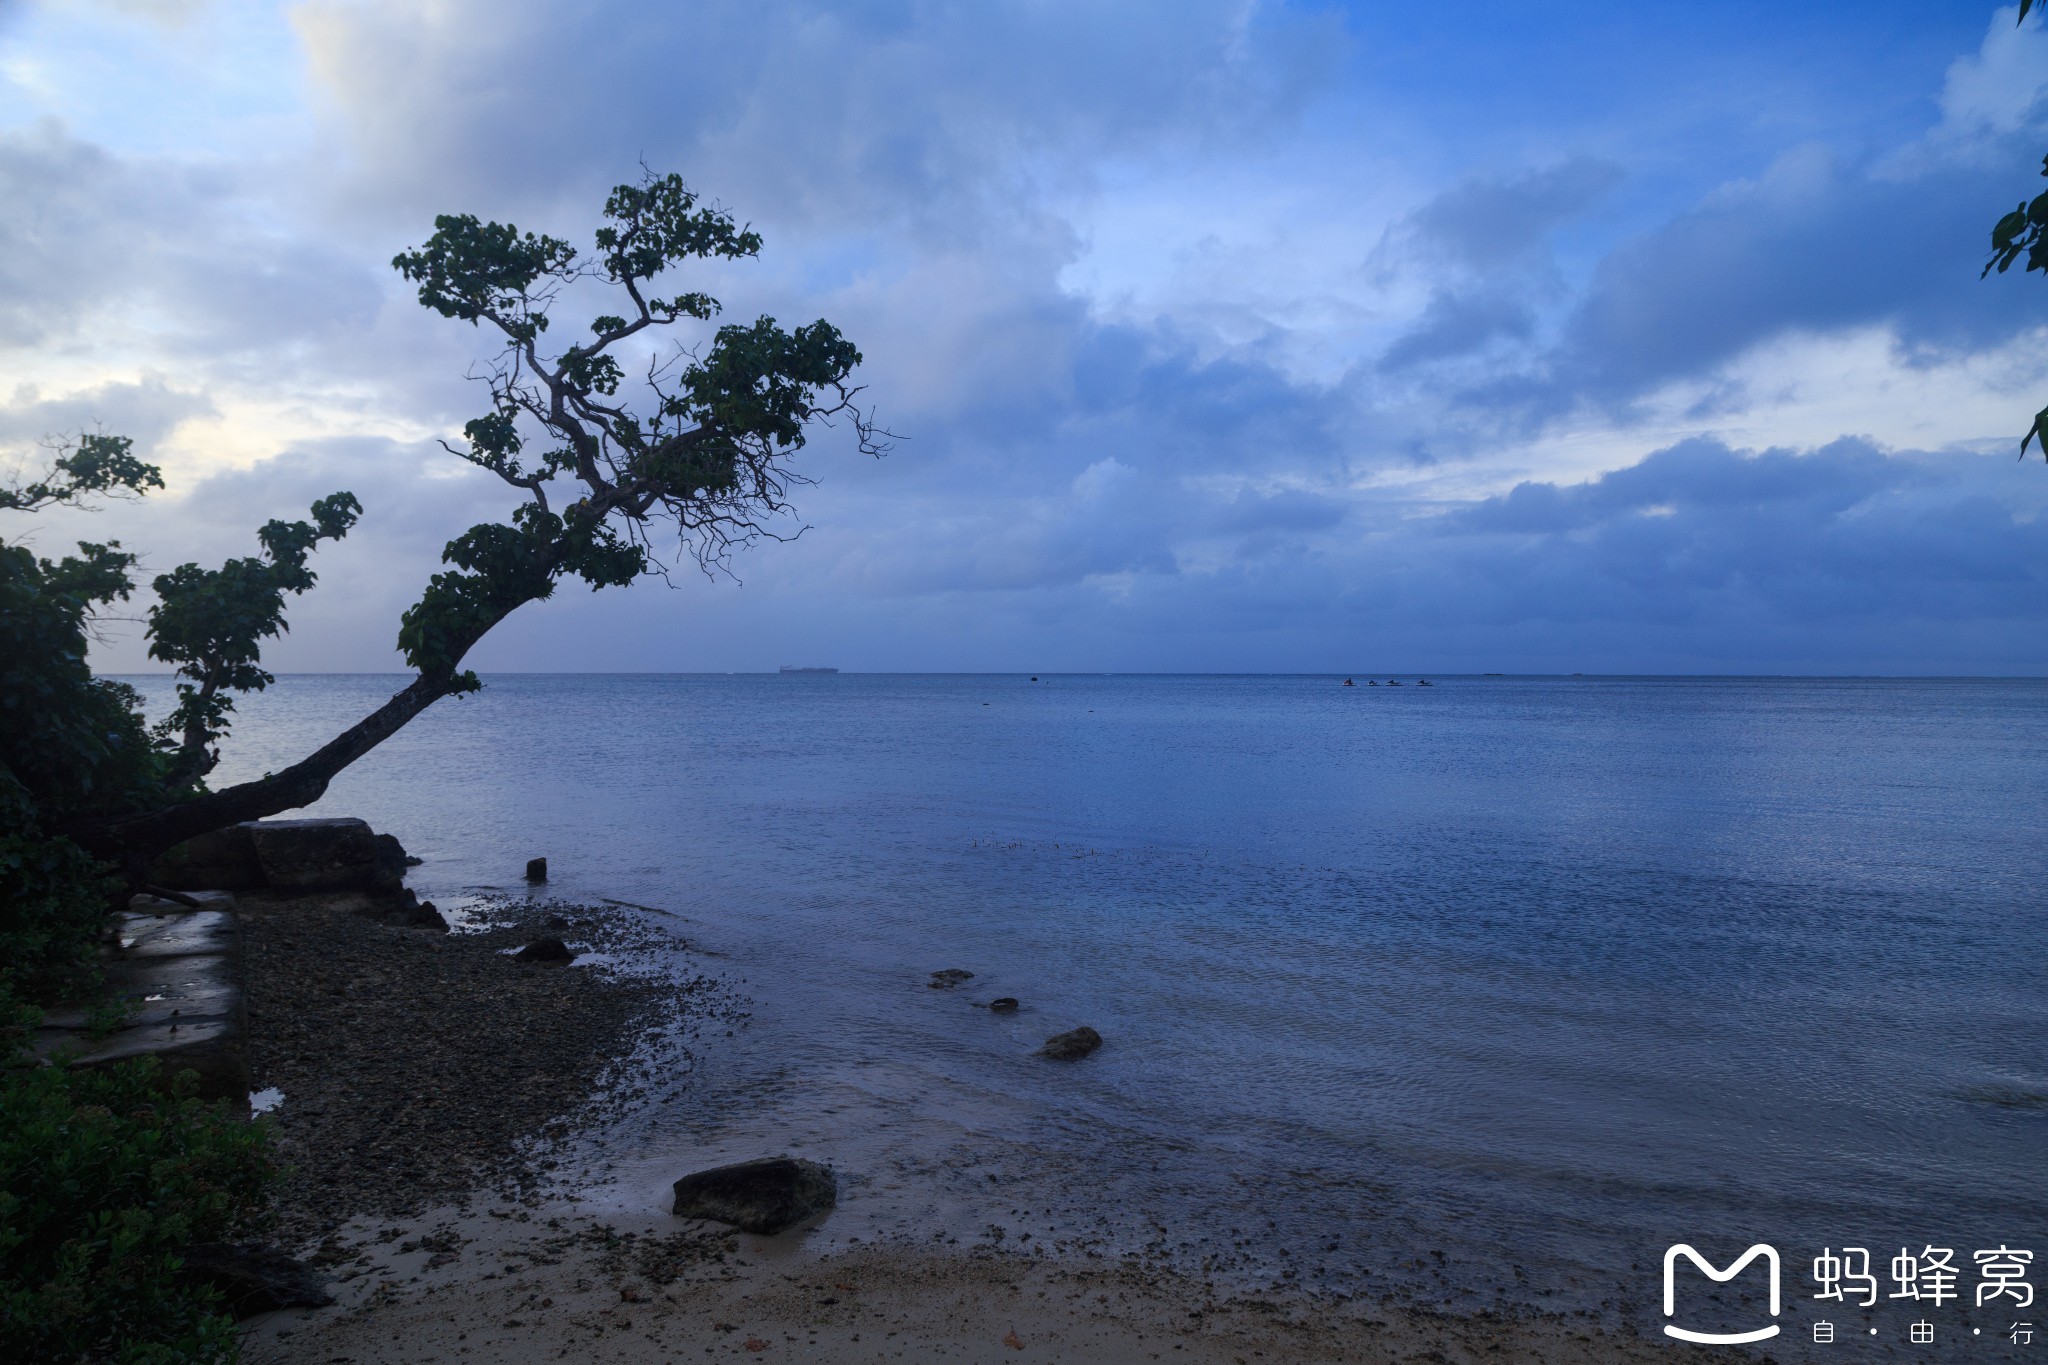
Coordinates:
1234 337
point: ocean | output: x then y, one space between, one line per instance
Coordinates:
1479 994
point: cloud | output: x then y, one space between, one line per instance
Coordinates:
1488 224
146 412
1777 538
941 120
123 253
1326 391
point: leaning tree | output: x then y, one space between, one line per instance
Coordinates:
694 449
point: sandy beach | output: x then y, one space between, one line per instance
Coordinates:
517 1284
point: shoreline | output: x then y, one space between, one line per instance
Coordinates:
440 1096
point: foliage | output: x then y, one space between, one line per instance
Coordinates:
707 452
56 899
96 464
2024 231
74 750
212 622
69 743
105 1176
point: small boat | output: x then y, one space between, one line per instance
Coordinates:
792 668
1393 682
1349 683
1424 682
1372 682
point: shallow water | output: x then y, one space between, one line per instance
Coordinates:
1541 974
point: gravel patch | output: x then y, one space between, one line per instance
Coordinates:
420 1068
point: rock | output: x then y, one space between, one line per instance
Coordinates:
1006 1004
415 913
554 922
286 855
224 860
1071 1045
256 1278
949 978
545 950
387 864
764 1196
319 855
536 869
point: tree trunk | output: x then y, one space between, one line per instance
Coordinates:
137 841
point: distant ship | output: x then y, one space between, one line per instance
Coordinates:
792 668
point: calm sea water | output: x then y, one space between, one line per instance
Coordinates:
1491 989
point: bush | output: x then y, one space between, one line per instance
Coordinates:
55 901
106 1175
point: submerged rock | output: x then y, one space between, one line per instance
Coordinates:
255 1277
947 979
1071 1045
1003 1004
763 1196
546 950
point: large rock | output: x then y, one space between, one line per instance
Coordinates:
255 1278
764 1196
224 860
1072 1045
318 855
387 865
545 950
286 855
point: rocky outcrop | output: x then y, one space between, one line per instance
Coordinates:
1072 1045
224 860
255 1278
1003 1004
764 1196
318 855
948 978
287 855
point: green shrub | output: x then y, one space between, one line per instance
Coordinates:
53 902
106 1175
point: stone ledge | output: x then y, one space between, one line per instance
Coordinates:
179 971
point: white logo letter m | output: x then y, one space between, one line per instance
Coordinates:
1770 1255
